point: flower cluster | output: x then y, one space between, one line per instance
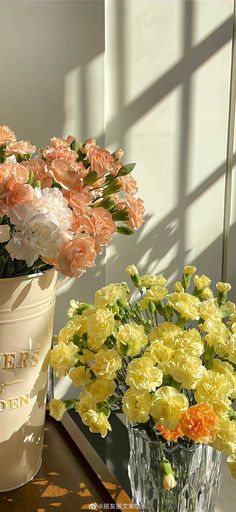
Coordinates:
167 361
62 206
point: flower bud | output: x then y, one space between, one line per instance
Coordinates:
168 476
169 482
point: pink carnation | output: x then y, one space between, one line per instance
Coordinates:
76 255
21 148
41 173
136 211
6 135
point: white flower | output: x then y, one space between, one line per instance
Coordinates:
40 227
4 233
52 200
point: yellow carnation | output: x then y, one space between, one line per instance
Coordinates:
85 403
226 435
178 287
189 270
86 357
130 339
185 304
215 327
208 309
143 375
72 327
63 358
226 369
202 282
214 388
57 409
149 281
101 389
156 293
131 270
108 295
223 287
188 370
80 376
74 305
100 325
97 422
231 349
136 405
189 341
106 363
159 352
167 331
167 405
207 293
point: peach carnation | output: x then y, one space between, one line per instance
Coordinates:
199 423
128 184
68 174
79 200
60 153
41 173
10 174
100 159
20 193
170 434
21 148
103 227
6 135
76 255
136 211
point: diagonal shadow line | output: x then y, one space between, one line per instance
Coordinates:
172 78
164 227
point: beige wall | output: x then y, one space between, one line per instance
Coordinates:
160 91
52 83
169 110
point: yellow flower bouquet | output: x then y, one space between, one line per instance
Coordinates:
168 362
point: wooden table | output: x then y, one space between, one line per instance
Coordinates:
68 481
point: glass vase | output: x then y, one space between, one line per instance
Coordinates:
196 468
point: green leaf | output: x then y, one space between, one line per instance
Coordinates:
120 215
56 185
31 178
69 404
75 145
90 178
113 188
107 203
126 169
124 230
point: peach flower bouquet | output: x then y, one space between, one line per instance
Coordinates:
59 207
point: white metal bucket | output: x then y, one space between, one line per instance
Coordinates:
26 323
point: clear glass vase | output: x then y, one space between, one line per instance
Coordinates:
197 471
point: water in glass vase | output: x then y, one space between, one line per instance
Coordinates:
196 468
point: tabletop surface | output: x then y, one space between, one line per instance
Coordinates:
65 482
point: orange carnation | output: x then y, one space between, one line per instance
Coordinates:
199 423
170 434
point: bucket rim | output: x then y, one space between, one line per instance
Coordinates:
27 277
